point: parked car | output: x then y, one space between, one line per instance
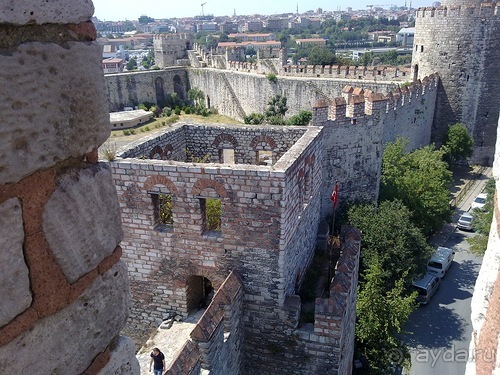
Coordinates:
465 222
426 287
440 261
479 202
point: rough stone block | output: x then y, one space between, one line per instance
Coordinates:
20 12
123 360
39 129
67 342
81 220
14 278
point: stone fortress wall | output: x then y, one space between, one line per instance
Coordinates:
232 93
358 125
460 40
65 294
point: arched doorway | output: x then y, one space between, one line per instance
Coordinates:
178 89
160 92
415 72
199 293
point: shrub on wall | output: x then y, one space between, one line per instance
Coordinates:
302 118
254 119
272 78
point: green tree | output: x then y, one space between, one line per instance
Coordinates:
132 64
254 119
321 56
302 118
276 106
197 97
381 316
420 180
391 240
457 143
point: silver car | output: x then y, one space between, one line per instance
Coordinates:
465 221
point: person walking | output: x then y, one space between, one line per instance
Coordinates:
158 359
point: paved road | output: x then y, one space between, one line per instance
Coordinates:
441 331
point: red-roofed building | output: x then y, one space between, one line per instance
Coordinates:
112 65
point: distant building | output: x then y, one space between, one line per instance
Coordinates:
251 26
113 65
228 27
253 37
320 42
405 37
277 24
268 49
382 36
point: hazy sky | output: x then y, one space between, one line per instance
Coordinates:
114 10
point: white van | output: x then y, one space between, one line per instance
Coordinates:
426 287
440 261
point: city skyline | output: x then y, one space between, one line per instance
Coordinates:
120 10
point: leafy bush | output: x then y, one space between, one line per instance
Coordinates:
458 143
254 119
177 111
143 106
302 118
275 120
272 77
126 132
187 110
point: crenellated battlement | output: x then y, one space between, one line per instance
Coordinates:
459 11
180 36
392 73
357 103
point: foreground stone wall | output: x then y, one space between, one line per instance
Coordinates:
60 271
485 304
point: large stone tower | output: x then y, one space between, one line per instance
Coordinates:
460 41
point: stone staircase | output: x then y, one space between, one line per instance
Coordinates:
239 108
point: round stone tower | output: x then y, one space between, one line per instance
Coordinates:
460 41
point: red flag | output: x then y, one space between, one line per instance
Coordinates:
335 195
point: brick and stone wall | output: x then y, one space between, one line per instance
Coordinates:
325 347
60 271
188 142
216 341
459 40
356 128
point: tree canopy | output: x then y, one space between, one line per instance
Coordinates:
391 240
458 143
420 180
381 315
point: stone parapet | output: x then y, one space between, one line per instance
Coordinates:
60 271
